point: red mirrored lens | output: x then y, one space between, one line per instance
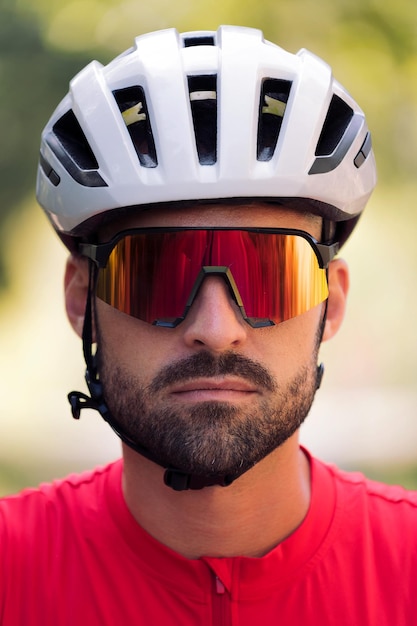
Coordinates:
150 275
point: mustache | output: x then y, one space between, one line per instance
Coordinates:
204 364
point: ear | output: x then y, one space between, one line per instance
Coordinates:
338 276
76 290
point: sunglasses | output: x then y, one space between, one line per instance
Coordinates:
154 274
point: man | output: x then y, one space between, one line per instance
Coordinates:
203 183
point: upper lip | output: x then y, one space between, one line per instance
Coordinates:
221 384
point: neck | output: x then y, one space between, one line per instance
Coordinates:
222 521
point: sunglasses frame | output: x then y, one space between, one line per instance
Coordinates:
100 253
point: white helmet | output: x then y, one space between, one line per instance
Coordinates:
204 116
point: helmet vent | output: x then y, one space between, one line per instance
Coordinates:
272 105
337 120
71 137
198 41
132 104
203 101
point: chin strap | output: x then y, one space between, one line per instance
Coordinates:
319 375
177 479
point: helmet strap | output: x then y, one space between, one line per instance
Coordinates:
328 231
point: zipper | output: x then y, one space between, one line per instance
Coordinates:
221 604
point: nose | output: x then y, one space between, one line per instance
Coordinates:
214 320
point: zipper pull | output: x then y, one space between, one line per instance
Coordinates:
220 588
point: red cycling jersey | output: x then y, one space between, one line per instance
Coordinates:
72 554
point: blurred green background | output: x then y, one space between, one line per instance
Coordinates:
365 415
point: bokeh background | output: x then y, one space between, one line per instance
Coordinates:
365 415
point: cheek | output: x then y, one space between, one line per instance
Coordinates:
292 344
134 345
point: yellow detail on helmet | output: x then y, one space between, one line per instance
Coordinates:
273 106
133 115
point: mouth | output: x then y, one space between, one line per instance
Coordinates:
213 389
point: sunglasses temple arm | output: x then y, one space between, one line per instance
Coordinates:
327 252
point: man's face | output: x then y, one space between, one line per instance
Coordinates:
213 395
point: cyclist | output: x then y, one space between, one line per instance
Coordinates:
204 183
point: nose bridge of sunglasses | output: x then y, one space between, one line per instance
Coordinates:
225 273
216 270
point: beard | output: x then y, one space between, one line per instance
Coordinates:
208 438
